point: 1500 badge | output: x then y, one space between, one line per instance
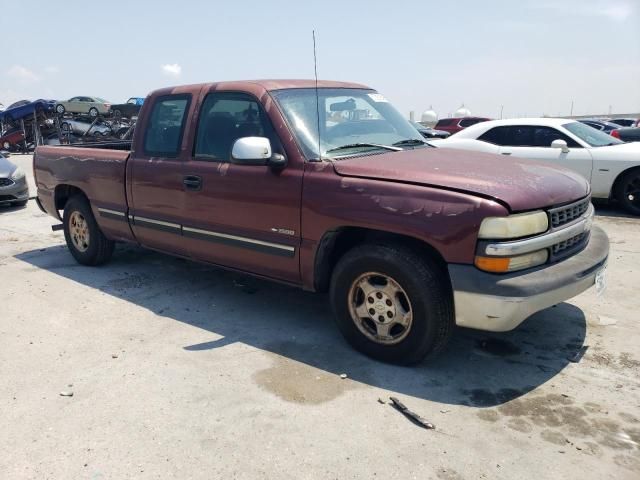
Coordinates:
283 231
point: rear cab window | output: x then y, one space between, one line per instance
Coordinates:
165 127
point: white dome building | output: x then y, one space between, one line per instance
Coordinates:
429 117
462 112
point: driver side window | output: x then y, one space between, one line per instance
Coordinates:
226 117
543 136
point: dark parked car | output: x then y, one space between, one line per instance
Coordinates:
602 125
428 132
26 108
453 125
129 109
12 140
13 184
624 122
627 134
409 240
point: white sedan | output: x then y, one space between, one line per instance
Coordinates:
612 167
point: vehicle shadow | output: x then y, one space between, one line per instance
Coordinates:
611 209
11 208
478 368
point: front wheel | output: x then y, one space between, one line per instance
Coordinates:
628 192
392 303
85 240
60 109
93 112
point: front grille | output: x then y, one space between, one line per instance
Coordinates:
5 182
569 246
563 215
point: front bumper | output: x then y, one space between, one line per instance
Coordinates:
500 303
17 192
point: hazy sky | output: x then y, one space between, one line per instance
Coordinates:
533 57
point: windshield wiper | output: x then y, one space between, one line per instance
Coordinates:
356 145
410 141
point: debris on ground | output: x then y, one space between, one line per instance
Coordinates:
414 417
114 355
343 376
381 401
578 355
605 321
66 393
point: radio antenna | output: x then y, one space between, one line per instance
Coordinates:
315 70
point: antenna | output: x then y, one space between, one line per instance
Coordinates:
315 70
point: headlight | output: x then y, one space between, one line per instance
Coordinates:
18 174
514 226
511 264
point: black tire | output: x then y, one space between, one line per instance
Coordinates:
60 109
93 112
428 290
99 248
627 191
117 114
65 127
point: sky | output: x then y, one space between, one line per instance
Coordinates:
528 58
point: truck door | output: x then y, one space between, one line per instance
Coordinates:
238 215
534 143
155 186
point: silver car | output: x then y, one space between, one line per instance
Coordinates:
13 184
79 127
91 105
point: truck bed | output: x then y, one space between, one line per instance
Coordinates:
97 172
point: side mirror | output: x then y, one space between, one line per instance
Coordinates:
256 151
561 144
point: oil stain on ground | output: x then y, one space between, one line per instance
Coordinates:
300 383
560 420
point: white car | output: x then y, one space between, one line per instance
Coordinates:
611 166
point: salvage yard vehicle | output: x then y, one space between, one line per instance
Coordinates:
78 127
91 105
26 108
627 134
428 132
455 125
14 189
327 187
129 109
12 139
611 166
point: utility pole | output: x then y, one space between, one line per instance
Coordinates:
571 113
501 109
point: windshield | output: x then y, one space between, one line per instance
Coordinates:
352 121
592 136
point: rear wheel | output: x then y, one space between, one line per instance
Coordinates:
85 240
628 191
391 303
60 109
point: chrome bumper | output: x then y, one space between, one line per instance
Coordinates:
499 303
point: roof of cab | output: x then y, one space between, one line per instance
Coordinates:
268 84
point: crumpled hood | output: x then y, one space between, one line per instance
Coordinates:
521 184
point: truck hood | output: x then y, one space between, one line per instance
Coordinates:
520 184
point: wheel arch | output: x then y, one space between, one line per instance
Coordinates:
621 175
335 243
64 192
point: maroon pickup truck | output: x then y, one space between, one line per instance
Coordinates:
331 189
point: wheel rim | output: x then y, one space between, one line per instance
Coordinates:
79 231
93 112
60 109
6 145
380 308
632 191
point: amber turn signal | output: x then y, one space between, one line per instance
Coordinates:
493 264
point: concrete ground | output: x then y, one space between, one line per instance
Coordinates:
180 370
